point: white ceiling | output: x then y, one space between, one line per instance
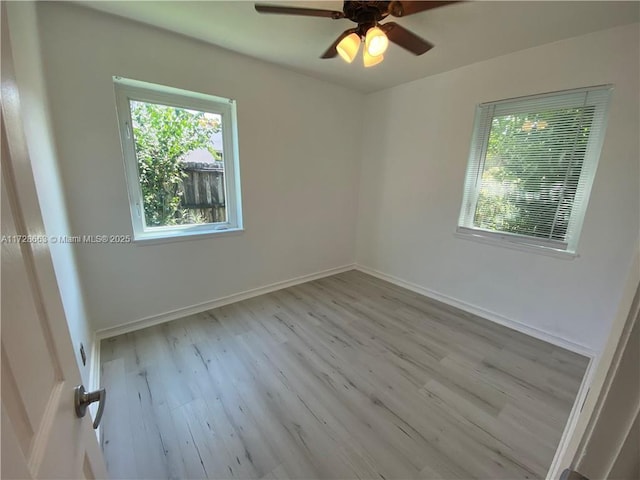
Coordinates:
463 33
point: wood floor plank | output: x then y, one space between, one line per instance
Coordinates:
287 400
344 395
156 454
117 437
344 377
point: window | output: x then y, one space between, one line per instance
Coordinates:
531 167
181 160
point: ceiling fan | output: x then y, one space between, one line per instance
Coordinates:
367 15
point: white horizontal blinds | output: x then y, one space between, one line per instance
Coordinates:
532 164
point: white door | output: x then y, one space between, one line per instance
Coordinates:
42 437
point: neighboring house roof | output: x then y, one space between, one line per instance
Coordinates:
201 158
216 141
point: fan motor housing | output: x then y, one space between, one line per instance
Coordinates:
366 12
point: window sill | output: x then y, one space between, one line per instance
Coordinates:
180 236
516 245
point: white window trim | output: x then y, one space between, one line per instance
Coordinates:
466 229
126 90
505 241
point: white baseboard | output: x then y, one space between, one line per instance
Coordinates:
481 312
555 470
94 365
208 305
94 380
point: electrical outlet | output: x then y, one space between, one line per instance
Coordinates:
83 355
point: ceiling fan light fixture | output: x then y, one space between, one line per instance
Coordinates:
348 47
367 15
370 61
376 42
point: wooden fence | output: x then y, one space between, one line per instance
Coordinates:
203 191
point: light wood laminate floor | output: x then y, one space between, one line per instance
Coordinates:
343 377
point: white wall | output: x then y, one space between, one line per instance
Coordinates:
299 142
414 156
42 151
300 146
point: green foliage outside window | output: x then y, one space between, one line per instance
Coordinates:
531 172
163 136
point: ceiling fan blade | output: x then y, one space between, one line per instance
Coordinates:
307 12
406 39
331 51
402 9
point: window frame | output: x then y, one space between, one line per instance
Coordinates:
485 112
127 90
